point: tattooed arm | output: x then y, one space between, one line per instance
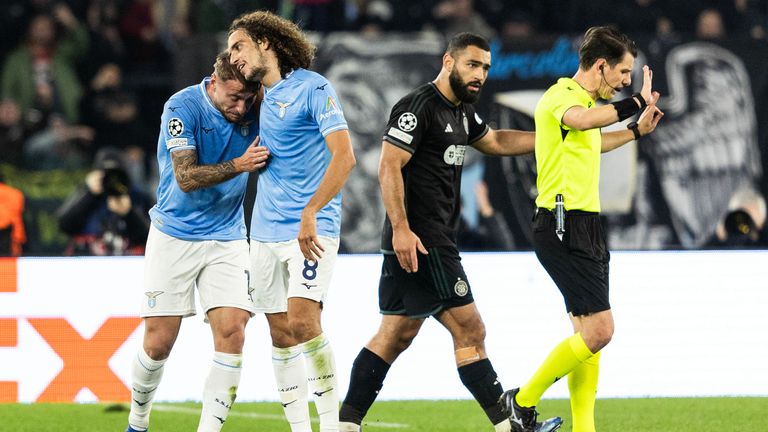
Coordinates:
191 176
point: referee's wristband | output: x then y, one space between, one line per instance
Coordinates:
640 99
626 108
635 130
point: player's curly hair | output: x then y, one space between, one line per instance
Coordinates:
291 46
226 72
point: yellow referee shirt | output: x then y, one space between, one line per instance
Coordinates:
567 160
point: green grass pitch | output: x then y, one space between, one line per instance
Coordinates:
625 415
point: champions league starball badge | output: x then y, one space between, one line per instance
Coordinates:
407 122
175 127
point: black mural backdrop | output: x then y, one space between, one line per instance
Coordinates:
710 144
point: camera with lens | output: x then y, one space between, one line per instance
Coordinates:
115 182
740 228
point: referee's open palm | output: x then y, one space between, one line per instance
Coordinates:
406 243
647 90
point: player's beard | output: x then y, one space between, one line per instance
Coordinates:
232 118
460 89
255 73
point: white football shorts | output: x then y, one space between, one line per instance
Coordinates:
174 267
280 271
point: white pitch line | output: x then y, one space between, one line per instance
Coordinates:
182 410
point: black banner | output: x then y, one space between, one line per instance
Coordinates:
675 187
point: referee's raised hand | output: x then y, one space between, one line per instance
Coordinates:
406 244
647 90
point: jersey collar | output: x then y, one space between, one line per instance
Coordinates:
277 84
572 83
206 98
443 98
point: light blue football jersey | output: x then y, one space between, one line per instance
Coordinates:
297 113
190 121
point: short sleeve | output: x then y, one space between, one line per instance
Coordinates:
325 107
561 100
177 125
476 127
406 125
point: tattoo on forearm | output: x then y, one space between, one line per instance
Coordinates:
192 176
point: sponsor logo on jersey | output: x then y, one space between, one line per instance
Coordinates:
330 104
454 155
407 122
244 130
448 128
175 127
331 109
328 114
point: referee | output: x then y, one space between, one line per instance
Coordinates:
567 234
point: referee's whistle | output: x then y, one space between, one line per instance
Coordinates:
559 216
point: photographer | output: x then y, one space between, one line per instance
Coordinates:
106 216
743 224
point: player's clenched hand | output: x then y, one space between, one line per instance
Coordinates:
254 157
308 242
406 243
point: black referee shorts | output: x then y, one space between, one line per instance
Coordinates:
439 284
579 263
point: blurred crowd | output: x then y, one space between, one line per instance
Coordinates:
82 78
